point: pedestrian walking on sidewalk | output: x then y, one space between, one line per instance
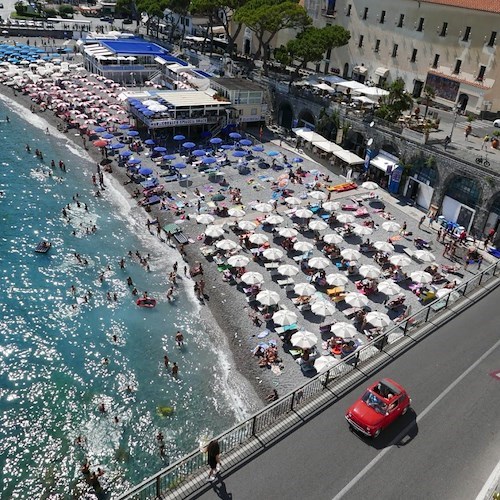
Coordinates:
446 142
486 140
468 130
213 459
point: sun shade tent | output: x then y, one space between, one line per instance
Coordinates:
308 134
349 158
327 146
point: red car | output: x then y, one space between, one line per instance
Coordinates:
378 407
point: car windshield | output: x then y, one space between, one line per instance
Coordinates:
375 402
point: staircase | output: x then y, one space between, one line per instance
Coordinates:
155 77
215 130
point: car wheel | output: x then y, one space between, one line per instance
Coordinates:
377 433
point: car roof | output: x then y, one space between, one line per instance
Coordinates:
393 386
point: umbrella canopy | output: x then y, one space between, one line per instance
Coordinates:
333 239
303 213
318 262
236 212
235 135
258 148
304 339
188 145
361 230
199 152
160 149
330 206
318 225
216 140
132 133
421 277
218 197
325 363
293 200
252 278
273 254
268 298
285 317
378 319
100 143
350 254
179 137
205 219
238 261
298 159
274 220
346 218
258 238
368 271
179 166
273 153
337 279
323 308
288 270
303 246
214 231
107 136
263 207
246 142
287 232
356 299
169 157
98 130
383 246
149 142
369 185
391 227
389 287
304 289
134 161
344 330
227 245
400 260
117 145
208 160
424 256
145 171
318 195
239 154
247 225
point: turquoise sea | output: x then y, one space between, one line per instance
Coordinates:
52 375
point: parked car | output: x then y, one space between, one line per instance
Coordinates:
127 21
496 123
379 406
107 19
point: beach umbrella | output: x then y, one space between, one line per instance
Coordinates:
345 218
333 239
337 279
205 219
258 148
216 140
188 145
424 256
208 160
126 154
227 245
227 146
293 200
288 270
98 130
287 232
391 227
218 197
179 166
383 246
169 157
389 287
272 254
268 298
421 277
274 220
400 260
318 225
132 133
344 330
263 207
318 262
318 195
246 142
284 317
124 126
214 231
149 142
101 143
303 246
370 185
107 135
369 271
304 339
361 230
350 254
330 206
239 154
236 212
145 171
133 161
303 213
252 278
179 137
235 135
247 225
238 261
298 159
159 149
258 238
117 145
323 308
356 299
199 152
305 289
378 319
273 153
325 363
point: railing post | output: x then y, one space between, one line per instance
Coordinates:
356 361
481 276
158 486
254 424
327 379
292 402
427 314
406 327
465 287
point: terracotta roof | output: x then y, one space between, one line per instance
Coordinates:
484 5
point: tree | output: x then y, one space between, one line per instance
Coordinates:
429 94
311 46
267 17
154 9
125 7
397 101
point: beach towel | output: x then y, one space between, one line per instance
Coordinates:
276 370
263 334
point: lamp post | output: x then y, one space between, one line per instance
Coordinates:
455 115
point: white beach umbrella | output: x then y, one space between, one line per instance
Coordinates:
274 220
325 363
400 260
323 308
391 227
263 207
318 195
205 219
303 213
227 245
273 254
293 200
350 254
369 271
305 289
252 278
303 246
285 317
318 225
268 298
421 277
337 279
378 319
236 212
318 263
369 185
258 238
214 231
356 299
443 292
247 225
383 246
238 261
361 230
287 232
389 287
333 239
344 330
288 270
346 218
330 206
424 256
304 339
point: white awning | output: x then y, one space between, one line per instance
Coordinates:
327 146
348 157
351 85
308 134
384 161
324 86
381 71
159 60
361 70
373 91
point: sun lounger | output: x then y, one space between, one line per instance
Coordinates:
152 200
304 307
286 282
339 188
361 212
280 330
350 207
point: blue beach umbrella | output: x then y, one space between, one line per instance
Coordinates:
239 154
188 145
235 135
159 149
149 142
107 136
169 157
132 133
126 154
117 145
124 126
199 152
145 171
216 140
179 166
273 153
298 160
179 137
227 146
258 148
246 142
98 130
208 160
134 161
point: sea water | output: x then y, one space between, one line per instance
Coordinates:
52 343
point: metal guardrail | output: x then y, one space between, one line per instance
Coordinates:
255 426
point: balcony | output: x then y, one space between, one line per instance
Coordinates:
329 13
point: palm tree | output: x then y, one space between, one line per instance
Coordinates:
429 94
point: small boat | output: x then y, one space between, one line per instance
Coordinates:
146 302
43 247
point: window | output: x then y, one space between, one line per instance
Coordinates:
482 71
444 29
360 41
401 20
395 50
464 190
458 65
435 63
330 7
382 17
413 55
420 26
466 34
365 13
348 12
377 46
493 39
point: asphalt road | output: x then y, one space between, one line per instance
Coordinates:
444 449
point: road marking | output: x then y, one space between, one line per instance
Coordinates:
403 433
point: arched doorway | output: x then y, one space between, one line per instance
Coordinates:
285 115
463 100
423 176
462 197
390 148
307 119
345 73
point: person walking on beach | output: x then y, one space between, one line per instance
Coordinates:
403 228
213 459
